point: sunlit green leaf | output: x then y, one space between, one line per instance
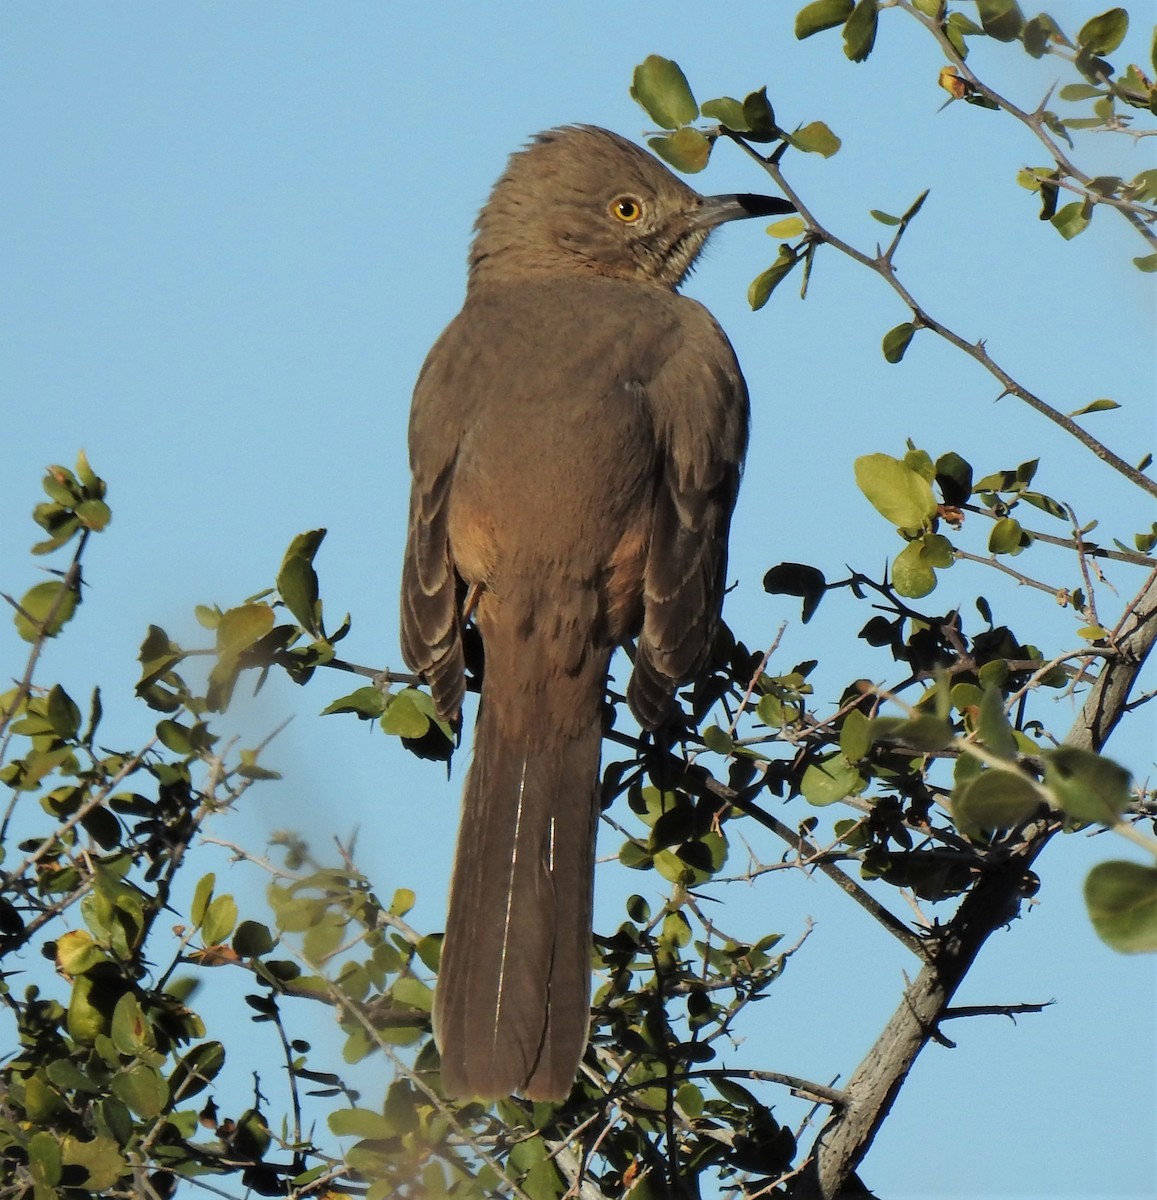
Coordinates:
830 779
763 285
46 608
815 138
686 149
1073 219
660 86
898 493
727 111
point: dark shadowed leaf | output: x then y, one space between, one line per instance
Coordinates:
797 579
896 341
1001 19
954 478
1103 34
821 15
860 30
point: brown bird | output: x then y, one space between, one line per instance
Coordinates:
576 440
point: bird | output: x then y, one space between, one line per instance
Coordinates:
576 440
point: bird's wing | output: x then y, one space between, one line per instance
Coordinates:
699 400
431 588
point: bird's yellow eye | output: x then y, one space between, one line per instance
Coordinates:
628 209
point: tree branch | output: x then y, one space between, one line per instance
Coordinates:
992 903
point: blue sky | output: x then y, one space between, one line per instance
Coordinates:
230 235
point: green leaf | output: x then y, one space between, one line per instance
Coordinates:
912 574
759 117
954 478
686 149
414 993
44 1163
925 732
1073 219
676 930
100 1159
1122 902
1103 34
993 725
994 800
898 493
297 580
367 702
860 30
1080 91
1096 406
727 111
47 607
196 1070
240 627
788 228
1008 537
1087 786
143 1089
130 1031
761 287
89 479
252 939
956 28
77 953
360 1123
660 86
175 737
62 713
93 514
815 138
407 714
220 919
1146 263
820 15
855 736
830 779
896 341
1001 19
718 740
201 897
883 217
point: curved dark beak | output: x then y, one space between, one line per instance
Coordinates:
717 210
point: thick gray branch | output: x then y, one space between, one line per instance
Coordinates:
992 903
